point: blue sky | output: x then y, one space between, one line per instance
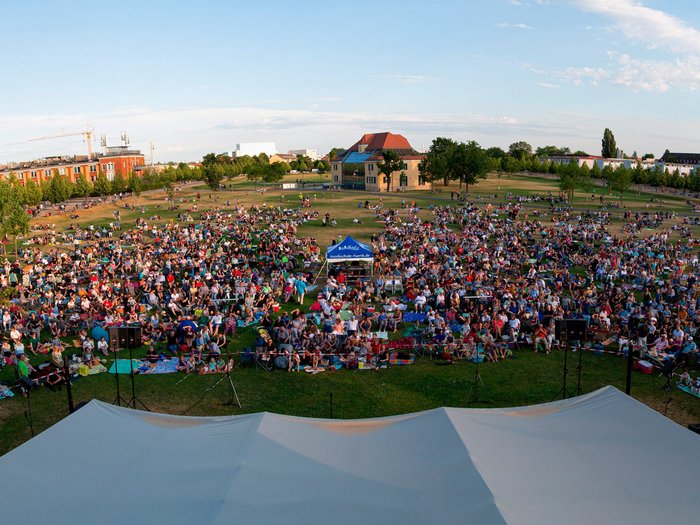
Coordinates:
200 76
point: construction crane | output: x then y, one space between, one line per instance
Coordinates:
87 134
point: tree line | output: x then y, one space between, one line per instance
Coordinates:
217 168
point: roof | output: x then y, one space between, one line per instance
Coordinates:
355 157
598 458
681 158
375 142
349 249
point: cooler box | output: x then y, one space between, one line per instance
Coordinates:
645 367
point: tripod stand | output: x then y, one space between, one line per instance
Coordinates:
134 398
119 399
474 388
231 389
579 367
564 340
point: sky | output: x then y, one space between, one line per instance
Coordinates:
194 77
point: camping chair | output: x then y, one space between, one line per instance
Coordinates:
263 361
511 342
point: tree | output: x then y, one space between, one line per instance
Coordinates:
609 147
520 150
118 183
552 151
620 180
391 163
267 172
648 156
495 152
570 179
32 193
469 163
82 187
275 172
135 185
102 185
436 163
608 174
61 189
213 175
14 220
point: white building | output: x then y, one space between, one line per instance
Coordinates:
255 148
311 153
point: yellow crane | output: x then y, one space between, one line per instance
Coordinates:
87 134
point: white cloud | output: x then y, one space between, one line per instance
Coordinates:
412 79
650 75
644 24
656 29
516 26
548 85
582 75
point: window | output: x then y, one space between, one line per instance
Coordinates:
371 180
405 166
76 170
33 174
370 167
47 173
93 168
61 171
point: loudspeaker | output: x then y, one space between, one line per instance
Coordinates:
113 337
121 337
133 336
571 329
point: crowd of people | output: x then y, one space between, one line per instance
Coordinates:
468 281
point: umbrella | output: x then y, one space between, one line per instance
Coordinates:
98 332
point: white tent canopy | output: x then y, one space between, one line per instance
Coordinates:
598 458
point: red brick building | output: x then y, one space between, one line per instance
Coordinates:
116 160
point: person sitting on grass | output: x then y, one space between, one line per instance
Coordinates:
489 343
24 369
541 340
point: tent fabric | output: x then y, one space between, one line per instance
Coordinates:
349 249
598 458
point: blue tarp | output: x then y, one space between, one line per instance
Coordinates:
349 248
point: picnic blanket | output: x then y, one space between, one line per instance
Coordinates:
97 369
162 366
687 390
123 366
395 361
346 314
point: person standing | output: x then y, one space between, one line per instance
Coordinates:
300 286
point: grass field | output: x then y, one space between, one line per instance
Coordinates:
526 379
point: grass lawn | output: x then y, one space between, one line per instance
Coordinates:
529 378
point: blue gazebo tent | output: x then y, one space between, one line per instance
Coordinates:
349 250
